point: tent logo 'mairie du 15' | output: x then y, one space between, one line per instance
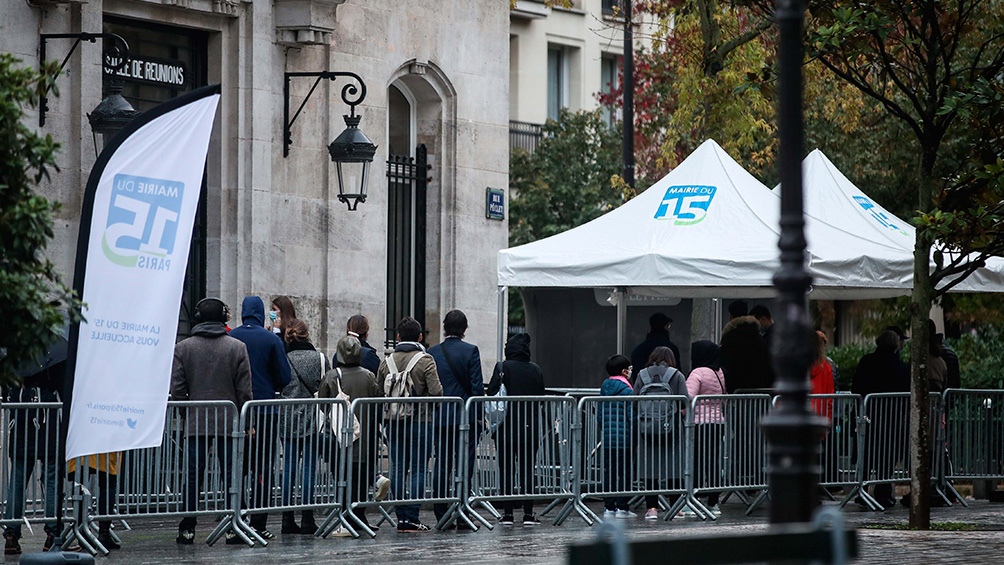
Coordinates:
878 216
142 222
686 205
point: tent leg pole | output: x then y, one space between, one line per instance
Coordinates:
716 324
502 319
621 318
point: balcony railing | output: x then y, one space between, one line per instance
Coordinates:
524 135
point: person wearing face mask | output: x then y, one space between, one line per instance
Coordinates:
281 312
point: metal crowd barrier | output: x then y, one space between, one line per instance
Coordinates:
290 459
739 468
526 457
973 442
32 472
883 437
837 451
304 454
198 444
634 446
423 445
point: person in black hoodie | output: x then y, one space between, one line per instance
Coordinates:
270 374
517 436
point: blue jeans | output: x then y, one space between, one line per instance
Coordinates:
409 445
293 450
21 469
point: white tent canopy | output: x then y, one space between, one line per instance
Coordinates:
707 229
833 200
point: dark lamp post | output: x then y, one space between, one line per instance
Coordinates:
111 115
352 152
793 430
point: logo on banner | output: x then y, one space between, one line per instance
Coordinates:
686 205
142 222
878 216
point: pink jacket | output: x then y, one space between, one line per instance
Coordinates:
703 380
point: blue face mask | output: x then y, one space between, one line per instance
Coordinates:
273 315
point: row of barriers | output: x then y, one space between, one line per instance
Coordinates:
322 455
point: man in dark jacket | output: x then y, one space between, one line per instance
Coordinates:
882 370
877 372
745 359
517 436
954 377
658 336
209 365
766 321
459 366
270 373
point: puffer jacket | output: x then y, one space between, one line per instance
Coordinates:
745 359
615 418
703 380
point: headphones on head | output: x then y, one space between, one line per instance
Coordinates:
198 310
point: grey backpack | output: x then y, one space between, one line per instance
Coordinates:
657 416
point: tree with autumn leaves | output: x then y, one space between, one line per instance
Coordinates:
906 97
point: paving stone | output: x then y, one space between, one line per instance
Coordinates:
152 541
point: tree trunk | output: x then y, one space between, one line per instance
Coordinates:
920 404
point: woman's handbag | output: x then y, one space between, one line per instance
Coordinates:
338 413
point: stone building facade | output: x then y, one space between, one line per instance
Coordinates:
436 74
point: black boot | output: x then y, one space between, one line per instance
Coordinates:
307 524
106 539
289 523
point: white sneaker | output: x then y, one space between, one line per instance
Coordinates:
382 488
341 532
715 510
625 514
652 514
609 513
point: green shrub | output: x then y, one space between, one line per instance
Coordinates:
981 358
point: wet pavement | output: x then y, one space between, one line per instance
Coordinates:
152 541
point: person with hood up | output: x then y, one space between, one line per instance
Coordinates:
270 374
615 426
517 436
357 381
706 378
298 425
209 365
745 358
